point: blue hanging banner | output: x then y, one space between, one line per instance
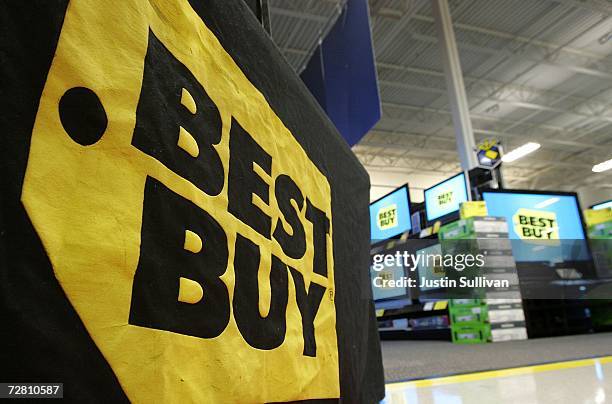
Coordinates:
341 74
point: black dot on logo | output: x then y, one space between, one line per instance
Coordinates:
82 115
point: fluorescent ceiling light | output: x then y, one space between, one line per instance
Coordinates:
546 203
606 165
520 152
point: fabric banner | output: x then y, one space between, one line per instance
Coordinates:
179 220
341 73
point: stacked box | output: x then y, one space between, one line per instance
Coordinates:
598 216
465 315
481 227
508 331
499 316
470 334
469 321
461 303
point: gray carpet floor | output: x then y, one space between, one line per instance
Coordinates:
408 360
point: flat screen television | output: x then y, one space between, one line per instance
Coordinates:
390 215
544 226
442 201
428 268
602 205
383 293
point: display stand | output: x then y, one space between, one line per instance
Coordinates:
491 314
419 321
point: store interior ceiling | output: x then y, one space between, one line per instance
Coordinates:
534 71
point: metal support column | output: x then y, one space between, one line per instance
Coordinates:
454 82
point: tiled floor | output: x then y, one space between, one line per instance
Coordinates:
574 382
413 360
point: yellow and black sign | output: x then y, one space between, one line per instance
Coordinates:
387 217
532 224
472 208
445 198
386 275
488 153
593 217
187 227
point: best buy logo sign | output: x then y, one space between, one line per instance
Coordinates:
387 217
445 198
186 225
532 224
